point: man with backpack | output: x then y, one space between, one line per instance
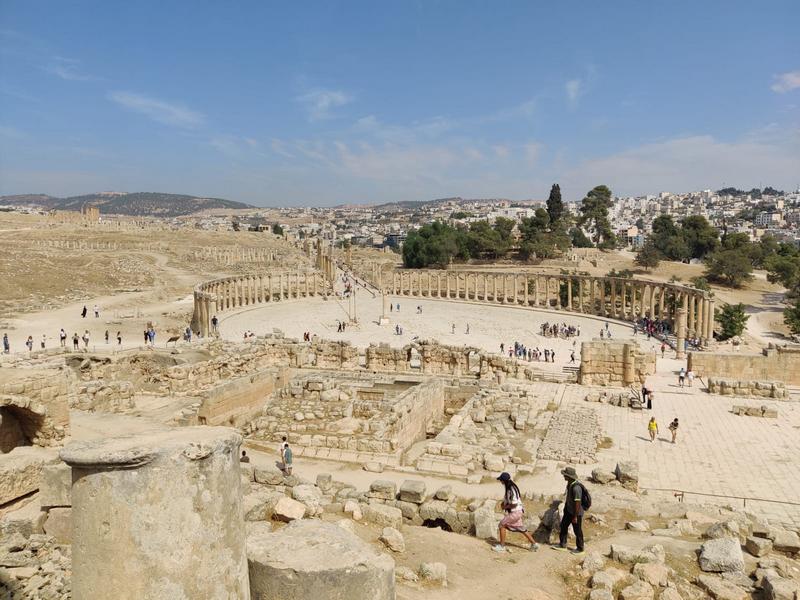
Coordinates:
576 502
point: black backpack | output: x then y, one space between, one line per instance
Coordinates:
586 497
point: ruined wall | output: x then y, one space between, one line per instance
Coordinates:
614 363
235 402
414 410
773 364
736 387
38 402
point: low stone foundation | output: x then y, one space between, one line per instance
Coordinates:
614 363
736 387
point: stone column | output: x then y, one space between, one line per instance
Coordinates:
447 284
681 331
158 515
494 288
525 282
710 322
603 309
690 322
569 293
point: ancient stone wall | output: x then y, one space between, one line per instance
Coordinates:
614 363
773 364
737 387
235 402
38 403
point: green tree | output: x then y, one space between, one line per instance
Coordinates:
277 229
434 244
555 206
791 316
579 239
701 237
732 320
594 216
484 239
701 283
785 270
667 238
729 267
648 256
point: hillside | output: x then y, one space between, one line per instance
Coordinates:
137 204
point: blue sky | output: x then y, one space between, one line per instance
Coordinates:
333 102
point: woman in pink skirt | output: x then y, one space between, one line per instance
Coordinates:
513 520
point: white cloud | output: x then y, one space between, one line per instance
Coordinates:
532 151
786 82
66 68
158 110
692 163
320 103
575 89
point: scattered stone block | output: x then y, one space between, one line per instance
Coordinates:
637 525
56 487
721 555
776 587
406 574
324 482
26 520
653 573
601 594
59 524
444 493
412 490
381 514
639 590
593 562
786 541
627 473
758 546
382 489
393 539
373 466
719 589
21 471
286 509
602 476
310 558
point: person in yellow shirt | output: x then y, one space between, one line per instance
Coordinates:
652 429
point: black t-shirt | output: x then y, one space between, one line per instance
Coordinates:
574 492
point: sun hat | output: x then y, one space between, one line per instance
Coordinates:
570 472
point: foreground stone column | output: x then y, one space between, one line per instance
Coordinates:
310 559
680 335
159 516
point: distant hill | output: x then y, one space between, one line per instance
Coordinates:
136 204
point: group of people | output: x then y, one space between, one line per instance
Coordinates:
561 330
341 327
62 339
85 311
523 352
652 429
577 501
652 327
307 336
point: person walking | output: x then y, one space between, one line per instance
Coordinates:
652 428
119 338
106 336
673 429
83 312
514 514
572 357
75 341
681 376
281 449
86 339
6 345
663 349
44 340
214 323
649 399
287 459
62 336
689 377
29 343
573 512
96 311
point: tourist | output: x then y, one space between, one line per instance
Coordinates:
681 376
83 312
663 349
391 307
649 399
29 343
514 514
573 511
602 334
106 335
146 337
547 356
453 328
6 345
690 377
552 356
572 357
673 429
62 337
652 429
44 340
214 323
645 393
86 339
398 307
287 459
244 458
467 330
96 311
119 338
75 341
281 450
502 348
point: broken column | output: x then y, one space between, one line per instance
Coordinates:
312 559
158 515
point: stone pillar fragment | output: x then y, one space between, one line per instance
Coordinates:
158 515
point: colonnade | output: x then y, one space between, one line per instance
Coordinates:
611 297
219 295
